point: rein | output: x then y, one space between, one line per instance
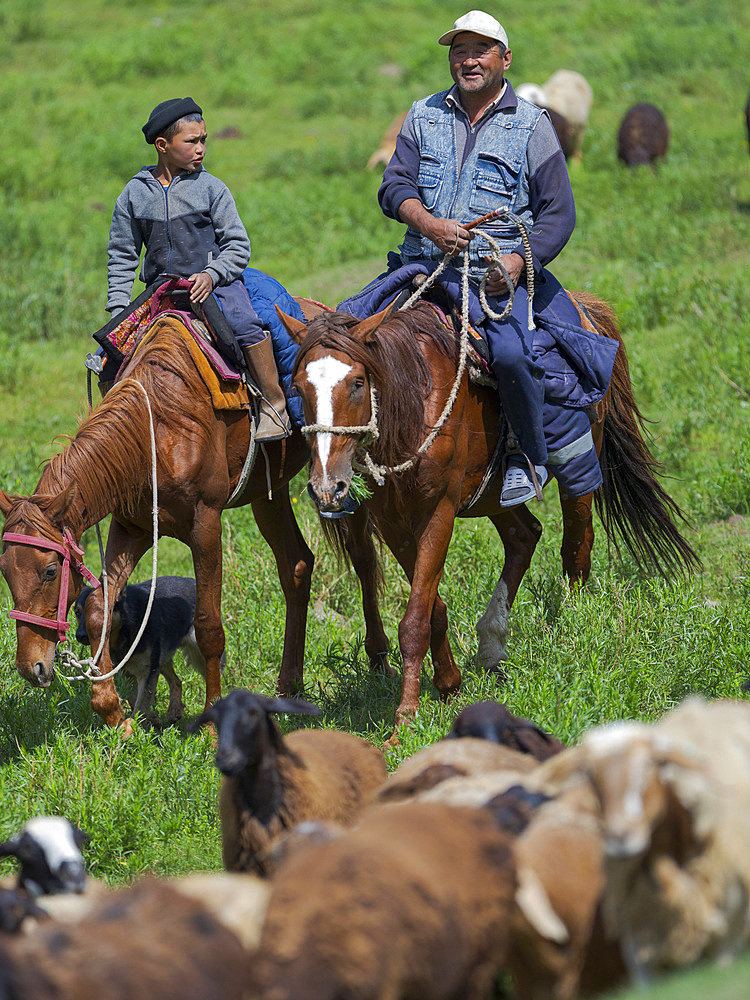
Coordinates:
369 432
72 554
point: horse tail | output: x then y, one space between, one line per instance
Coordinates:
631 502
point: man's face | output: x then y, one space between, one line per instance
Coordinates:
185 151
478 63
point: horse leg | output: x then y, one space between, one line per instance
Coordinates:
446 675
205 545
364 559
294 563
124 549
578 537
415 631
519 531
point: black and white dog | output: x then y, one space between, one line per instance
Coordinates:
169 628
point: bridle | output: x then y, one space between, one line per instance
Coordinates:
72 554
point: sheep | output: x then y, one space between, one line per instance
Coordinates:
674 799
49 851
413 903
271 782
570 95
451 759
643 136
534 94
491 720
385 151
146 940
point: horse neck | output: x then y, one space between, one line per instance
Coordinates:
107 476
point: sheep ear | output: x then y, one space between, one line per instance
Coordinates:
9 847
291 706
80 836
210 715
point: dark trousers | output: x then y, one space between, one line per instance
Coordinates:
239 313
519 374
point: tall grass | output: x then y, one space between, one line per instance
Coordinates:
302 93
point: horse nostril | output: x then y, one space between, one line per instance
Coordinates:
341 488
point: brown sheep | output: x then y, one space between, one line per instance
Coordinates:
570 95
385 150
412 904
270 782
643 136
145 941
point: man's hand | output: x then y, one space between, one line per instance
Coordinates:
448 235
203 285
514 264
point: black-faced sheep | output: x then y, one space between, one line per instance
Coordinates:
491 720
643 136
674 799
271 782
413 903
147 941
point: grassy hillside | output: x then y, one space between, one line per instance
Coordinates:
296 95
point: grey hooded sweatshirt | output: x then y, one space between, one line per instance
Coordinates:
191 226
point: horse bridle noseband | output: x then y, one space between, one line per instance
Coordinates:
72 553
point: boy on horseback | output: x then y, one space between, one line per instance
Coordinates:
189 225
461 154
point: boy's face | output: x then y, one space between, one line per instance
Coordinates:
185 150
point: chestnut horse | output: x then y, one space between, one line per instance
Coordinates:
409 358
106 469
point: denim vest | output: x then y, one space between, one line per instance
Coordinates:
493 175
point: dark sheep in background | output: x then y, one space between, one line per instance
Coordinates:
272 782
643 136
491 720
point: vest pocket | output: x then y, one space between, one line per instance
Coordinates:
429 180
494 184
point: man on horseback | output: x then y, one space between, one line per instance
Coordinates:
188 222
461 154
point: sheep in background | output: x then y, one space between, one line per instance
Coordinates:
414 903
491 720
643 136
271 782
675 807
570 95
147 941
385 150
534 94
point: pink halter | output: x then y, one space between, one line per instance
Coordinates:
71 553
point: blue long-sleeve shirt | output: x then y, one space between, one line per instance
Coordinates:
550 194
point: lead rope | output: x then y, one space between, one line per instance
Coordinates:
88 666
379 472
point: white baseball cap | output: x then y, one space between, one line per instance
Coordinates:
478 22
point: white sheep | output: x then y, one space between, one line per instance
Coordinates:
271 782
675 810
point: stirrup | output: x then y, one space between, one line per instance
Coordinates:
518 486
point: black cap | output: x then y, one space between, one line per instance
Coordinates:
167 113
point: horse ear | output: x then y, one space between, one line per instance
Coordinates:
368 326
296 329
6 504
57 507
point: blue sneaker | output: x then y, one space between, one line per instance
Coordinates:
517 485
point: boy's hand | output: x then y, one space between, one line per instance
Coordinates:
203 285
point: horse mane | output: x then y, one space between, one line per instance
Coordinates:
394 356
109 459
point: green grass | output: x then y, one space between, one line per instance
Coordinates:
307 93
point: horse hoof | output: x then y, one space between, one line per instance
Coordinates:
379 665
392 743
126 729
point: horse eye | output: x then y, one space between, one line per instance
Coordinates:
50 572
358 383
